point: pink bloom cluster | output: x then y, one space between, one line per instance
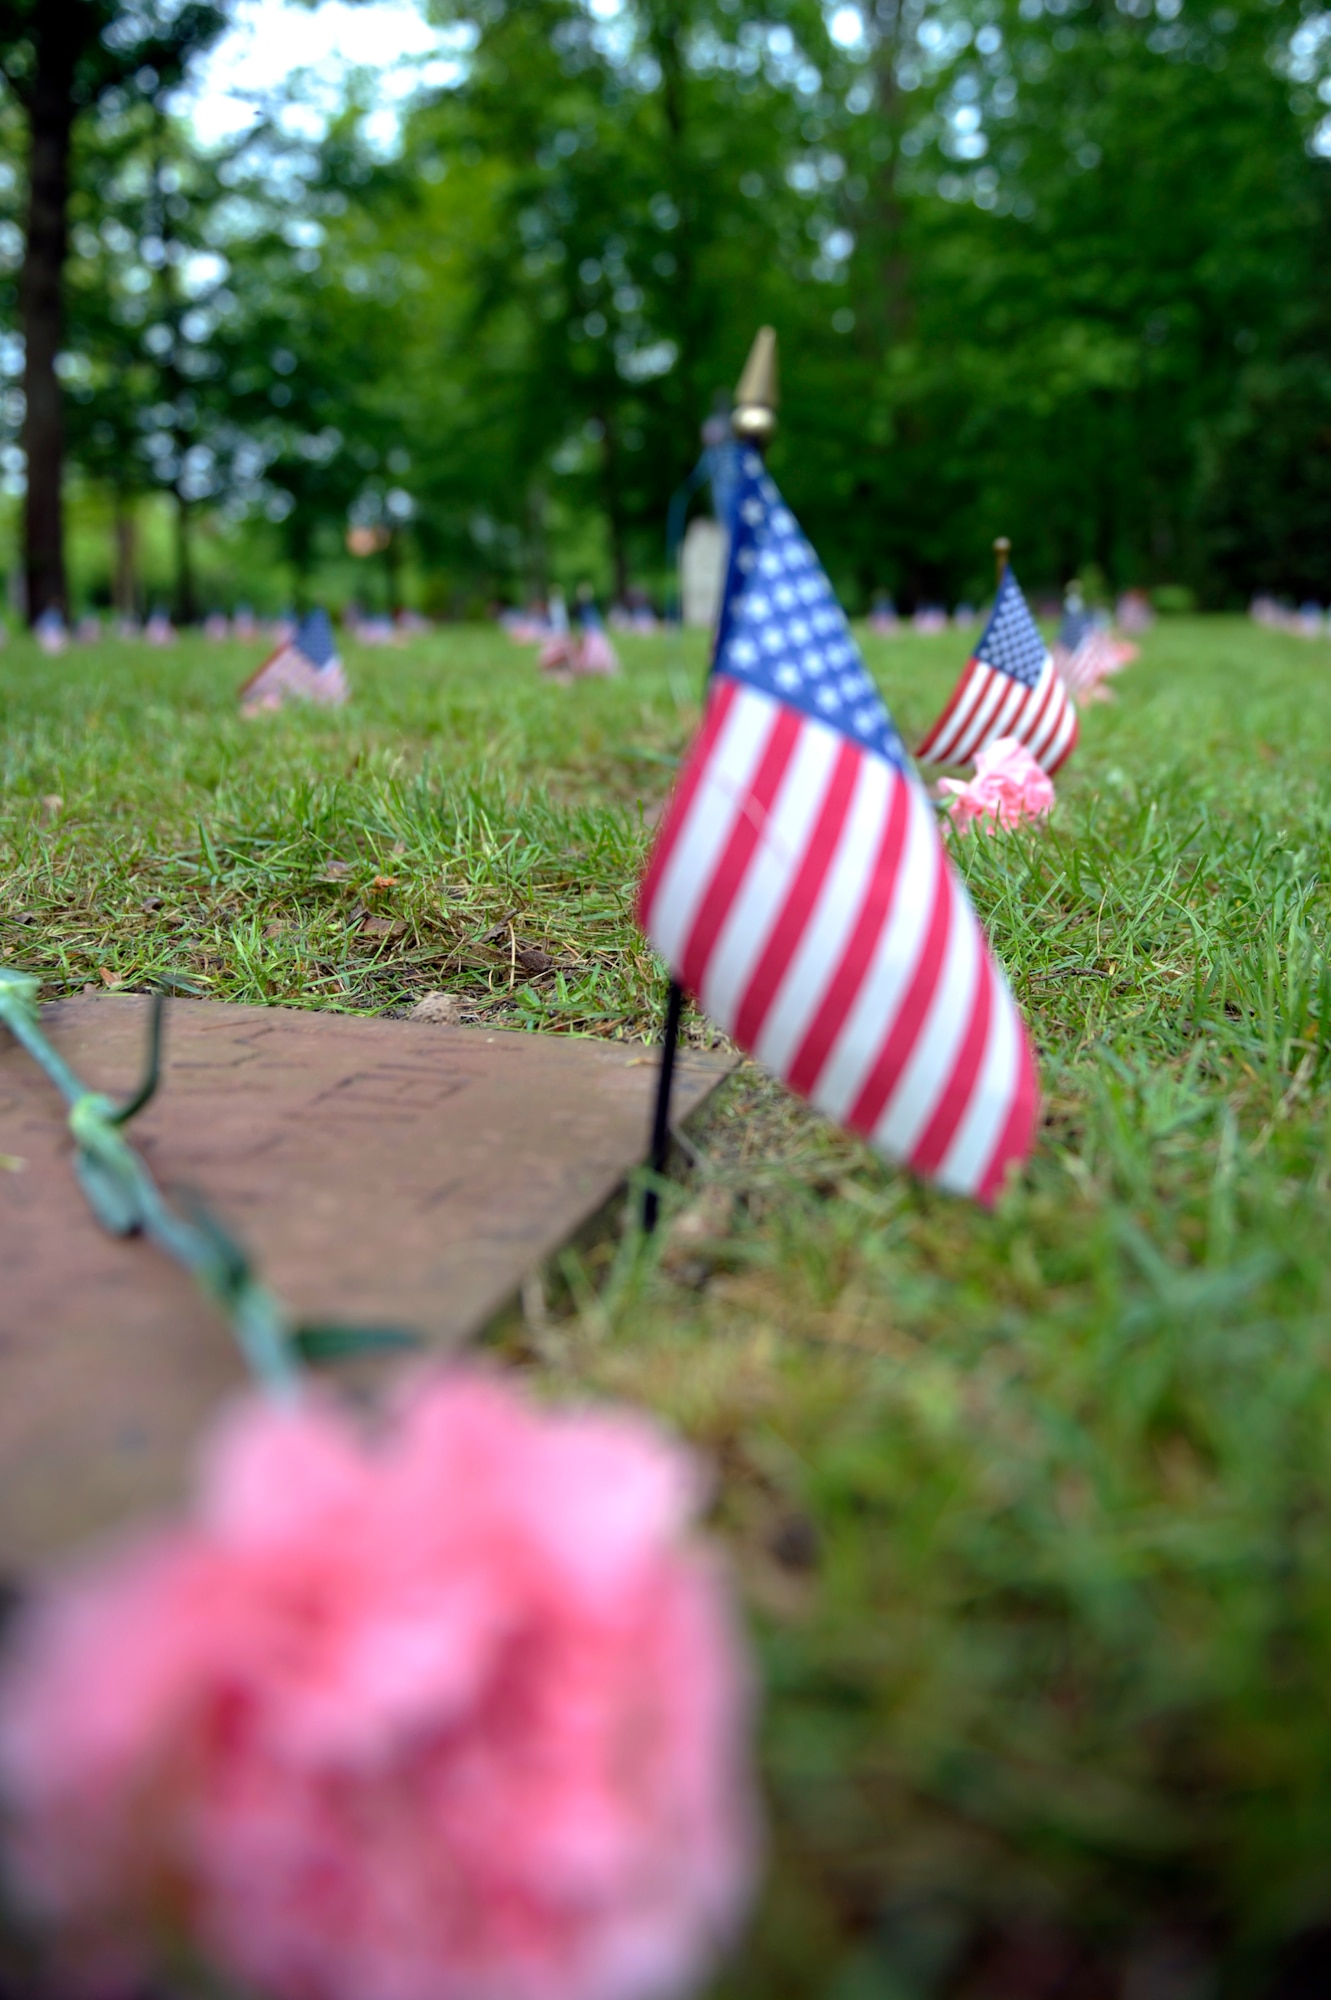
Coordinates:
1008 787
460 1715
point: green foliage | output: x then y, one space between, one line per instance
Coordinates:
1060 270
1032 1509
992 316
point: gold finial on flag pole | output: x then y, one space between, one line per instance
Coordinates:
1002 550
754 417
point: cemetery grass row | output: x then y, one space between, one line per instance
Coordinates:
1033 1510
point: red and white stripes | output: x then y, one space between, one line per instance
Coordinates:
1098 655
800 889
988 703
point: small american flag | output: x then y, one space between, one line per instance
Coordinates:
1085 654
1008 687
304 668
800 889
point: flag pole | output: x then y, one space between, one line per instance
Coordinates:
1002 550
752 422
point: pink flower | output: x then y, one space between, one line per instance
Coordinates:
1008 787
460 1717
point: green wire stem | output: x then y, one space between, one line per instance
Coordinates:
127 1201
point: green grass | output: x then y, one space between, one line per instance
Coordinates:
1032 1509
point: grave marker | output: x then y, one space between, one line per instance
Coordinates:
702 570
386 1172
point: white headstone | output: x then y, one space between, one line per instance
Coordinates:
702 572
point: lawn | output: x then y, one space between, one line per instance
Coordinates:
1032 1510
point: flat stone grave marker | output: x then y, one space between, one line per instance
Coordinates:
394 1173
702 572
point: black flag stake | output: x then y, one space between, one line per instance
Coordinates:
752 421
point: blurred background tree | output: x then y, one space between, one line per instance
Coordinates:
1056 267
61 60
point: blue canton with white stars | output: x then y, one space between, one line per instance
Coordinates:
782 630
314 638
1075 626
1011 642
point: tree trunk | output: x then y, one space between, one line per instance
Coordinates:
686 393
125 593
51 116
895 307
614 508
186 606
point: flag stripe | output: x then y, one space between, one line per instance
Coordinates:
972 1142
793 921
911 1015
1065 741
888 976
997 715
931 1148
1046 711
304 666
803 991
955 717
702 833
989 692
839 997
692 777
924 1076
1014 1141
757 906
748 826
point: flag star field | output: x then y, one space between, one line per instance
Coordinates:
782 628
1012 642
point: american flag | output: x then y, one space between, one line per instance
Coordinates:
1086 653
305 667
1008 687
799 886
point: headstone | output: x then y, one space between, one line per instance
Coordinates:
702 572
394 1173
51 631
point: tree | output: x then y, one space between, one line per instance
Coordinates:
1052 267
628 221
60 58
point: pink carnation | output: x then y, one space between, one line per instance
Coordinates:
1008 787
458 1717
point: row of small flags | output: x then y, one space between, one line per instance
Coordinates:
570 648
1132 613
799 886
545 621
304 665
53 635
1305 621
1088 651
